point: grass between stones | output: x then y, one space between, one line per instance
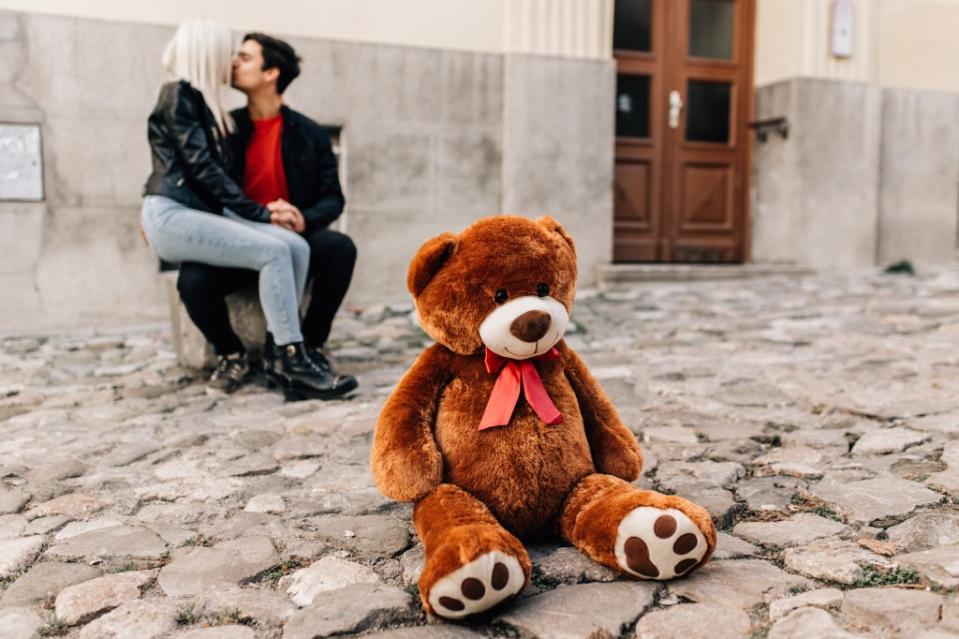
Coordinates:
53 627
273 575
806 502
187 615
873 576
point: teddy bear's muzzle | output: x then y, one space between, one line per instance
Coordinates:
530 326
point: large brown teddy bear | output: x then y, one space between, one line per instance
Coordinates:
498 431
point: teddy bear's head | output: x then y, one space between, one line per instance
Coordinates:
506 282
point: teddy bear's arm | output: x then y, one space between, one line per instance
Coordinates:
615 449
405 460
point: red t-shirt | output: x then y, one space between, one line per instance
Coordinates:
263 178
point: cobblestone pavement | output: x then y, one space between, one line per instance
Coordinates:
817 418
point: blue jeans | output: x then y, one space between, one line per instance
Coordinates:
181 234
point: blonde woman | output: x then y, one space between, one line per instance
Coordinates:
193 211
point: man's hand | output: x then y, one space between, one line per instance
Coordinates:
284 214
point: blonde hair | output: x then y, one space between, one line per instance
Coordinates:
200 53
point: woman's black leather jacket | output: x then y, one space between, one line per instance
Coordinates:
190 156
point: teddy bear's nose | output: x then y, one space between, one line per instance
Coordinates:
530 326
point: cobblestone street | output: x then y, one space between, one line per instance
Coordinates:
817 418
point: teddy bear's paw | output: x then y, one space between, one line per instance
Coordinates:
477 586
654 543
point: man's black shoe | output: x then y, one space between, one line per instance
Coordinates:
231 371
294 370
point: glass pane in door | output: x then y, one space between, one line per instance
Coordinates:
711 28
631 26
707 111
632 106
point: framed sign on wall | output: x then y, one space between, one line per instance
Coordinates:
21 163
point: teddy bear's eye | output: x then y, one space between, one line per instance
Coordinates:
501 296
542 289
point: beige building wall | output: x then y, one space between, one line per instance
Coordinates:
568 28
908 44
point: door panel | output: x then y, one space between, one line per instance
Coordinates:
639 176
707 192
682 152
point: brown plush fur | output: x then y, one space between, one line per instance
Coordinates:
472 486
456 528
598 503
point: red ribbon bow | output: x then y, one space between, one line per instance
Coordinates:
516 374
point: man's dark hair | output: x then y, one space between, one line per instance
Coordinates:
277 54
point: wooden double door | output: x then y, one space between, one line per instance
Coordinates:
683 102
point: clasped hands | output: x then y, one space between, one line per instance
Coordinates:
285 215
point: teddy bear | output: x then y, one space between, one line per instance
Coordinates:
498 432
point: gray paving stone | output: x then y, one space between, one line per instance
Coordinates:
75 528
827 598
366 536
881 498
809 622
795 531
729 547
12 526
436 631
694 621
350 610
266 608
883 441
567 565
794 461
769 493
939 565
111 545
926 530
226 564
12 501
232 631
580 611
81 602
74 505
143 619
266 503
18 553
126 454
19 623
891 611
44 580
46 525
329 573
741 583
833 560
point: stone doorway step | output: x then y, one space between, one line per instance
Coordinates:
611 274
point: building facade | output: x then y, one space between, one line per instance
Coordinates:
631 121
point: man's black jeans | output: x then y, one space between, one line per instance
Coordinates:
203 289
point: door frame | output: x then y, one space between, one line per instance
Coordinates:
668 68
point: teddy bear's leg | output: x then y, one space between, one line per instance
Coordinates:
472 562
640 533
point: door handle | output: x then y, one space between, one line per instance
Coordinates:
675 106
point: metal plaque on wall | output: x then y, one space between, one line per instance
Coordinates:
21 162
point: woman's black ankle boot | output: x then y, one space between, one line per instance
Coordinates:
294 370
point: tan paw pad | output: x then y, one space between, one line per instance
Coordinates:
652 543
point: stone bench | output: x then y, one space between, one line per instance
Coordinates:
246 316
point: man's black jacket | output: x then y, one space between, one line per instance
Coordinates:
308 163
190 160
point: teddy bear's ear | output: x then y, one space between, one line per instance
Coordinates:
428 261
552 225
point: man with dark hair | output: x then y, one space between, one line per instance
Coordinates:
285 161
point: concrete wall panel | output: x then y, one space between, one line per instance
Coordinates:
919 186
558 151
